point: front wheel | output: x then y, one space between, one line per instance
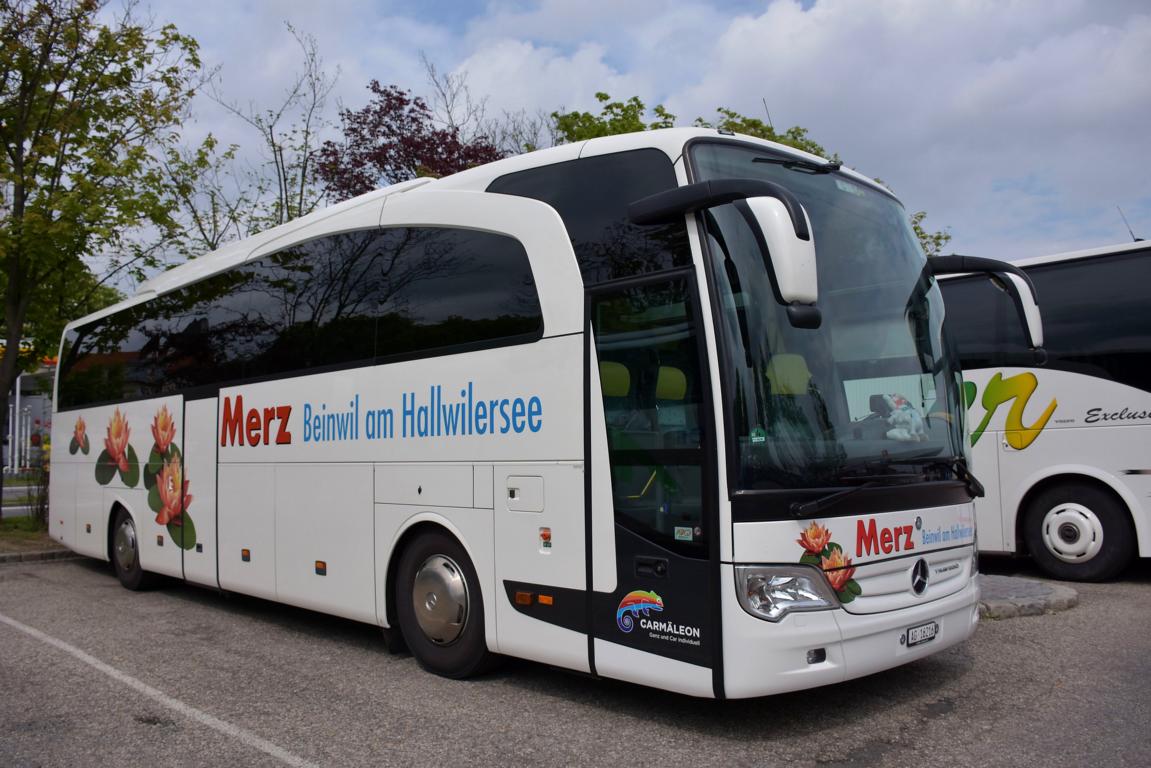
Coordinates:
126 552
1078 532
440 608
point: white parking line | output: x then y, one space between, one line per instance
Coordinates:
236 732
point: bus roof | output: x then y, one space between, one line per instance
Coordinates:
1087 253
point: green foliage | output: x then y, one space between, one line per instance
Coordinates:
615 117
933 242
20 529
87 103
730 120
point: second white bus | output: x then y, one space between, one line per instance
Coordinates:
1063 448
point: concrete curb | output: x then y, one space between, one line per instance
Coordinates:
30 557
1006 597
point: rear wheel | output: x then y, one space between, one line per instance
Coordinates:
1079 532
126 552
440 608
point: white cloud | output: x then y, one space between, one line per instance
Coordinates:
1019 124
516 74
954 106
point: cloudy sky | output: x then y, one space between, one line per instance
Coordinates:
1019 124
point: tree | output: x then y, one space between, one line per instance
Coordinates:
85 107
284 189
730 120
932 242
213 203
453 106
615 117
394 138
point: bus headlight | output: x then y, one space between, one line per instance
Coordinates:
773 591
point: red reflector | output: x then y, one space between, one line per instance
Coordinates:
245 555
523 598
545 599
321 568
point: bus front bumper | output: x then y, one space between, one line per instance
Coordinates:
762 658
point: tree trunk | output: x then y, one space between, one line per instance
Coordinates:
15 312
3 432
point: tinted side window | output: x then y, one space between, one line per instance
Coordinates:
188 338
592 196
442 288
333 302
1095 316
984 322
355 297
312 306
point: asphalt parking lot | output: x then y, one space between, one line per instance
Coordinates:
187 676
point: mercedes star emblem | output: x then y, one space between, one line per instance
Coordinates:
919 576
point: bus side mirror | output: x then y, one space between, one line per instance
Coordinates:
789 257
1017 283
778 220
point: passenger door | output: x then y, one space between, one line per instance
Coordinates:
649 360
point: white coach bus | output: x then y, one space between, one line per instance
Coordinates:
673 408
1064 449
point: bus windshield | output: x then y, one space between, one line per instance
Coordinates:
873 394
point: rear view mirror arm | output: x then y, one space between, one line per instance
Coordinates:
959 264
666 206
1014 279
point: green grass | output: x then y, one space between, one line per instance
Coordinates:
20 529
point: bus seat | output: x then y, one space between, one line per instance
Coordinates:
614 378
795 411
619 402
676 418
671 384
788 375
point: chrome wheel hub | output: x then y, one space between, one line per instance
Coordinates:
124 545
1072 532
440 599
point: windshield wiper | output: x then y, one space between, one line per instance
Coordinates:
958 465
815 506
799 164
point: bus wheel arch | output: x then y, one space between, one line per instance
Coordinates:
124 549
429 557
1076 527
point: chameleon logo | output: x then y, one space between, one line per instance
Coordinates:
1018 389
635 603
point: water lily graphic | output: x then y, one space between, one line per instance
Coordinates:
169 498
118 456
164 445
814 538
172 489
116 443
79 438
838 568
163 430
819 550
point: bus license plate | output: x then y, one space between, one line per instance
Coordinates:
922 634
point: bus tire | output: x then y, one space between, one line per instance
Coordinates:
125 552
440 608
1079 532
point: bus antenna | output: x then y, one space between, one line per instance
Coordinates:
1136 239
768 111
